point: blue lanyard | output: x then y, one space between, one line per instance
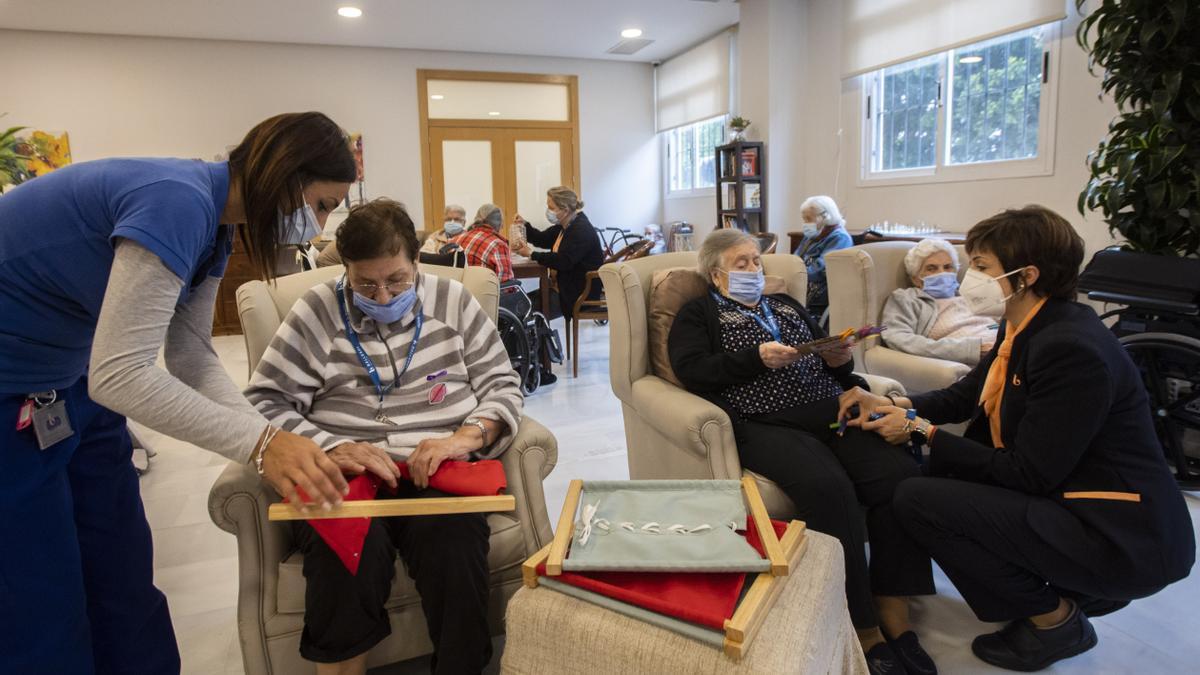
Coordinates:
372 371
768 323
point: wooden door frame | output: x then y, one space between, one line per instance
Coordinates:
423 77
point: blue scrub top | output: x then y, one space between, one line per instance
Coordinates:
57 237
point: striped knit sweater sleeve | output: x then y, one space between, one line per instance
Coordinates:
311 381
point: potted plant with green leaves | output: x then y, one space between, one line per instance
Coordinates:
739 125
1145 174
12 161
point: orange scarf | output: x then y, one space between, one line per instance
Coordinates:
993 386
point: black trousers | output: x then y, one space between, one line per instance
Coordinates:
1005 568
556 308
446 556
831 479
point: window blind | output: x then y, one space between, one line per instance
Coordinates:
694 85
879 33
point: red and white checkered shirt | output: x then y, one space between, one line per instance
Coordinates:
485 248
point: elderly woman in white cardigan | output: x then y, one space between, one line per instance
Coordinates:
930 318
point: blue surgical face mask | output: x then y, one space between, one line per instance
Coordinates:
391 311
942 285
810 230
746 287
552 217
298 227
452 228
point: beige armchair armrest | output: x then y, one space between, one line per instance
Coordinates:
920 373
689 422
529 459
878 384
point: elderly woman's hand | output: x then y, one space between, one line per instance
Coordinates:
431 452
356 458
776 355
865 401
837 356
523 249
891 426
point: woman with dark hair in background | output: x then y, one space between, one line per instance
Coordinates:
102 264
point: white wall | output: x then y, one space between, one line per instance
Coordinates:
1082 121
192 98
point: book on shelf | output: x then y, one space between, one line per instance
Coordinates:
726 164
750 162
753 196
730 221
730 196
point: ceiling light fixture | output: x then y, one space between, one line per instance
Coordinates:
437 97
494 113
970 59
349 12
630 33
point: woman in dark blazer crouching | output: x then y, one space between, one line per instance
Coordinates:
1057 503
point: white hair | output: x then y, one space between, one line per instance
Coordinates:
454 207
715 245
916 256
826 208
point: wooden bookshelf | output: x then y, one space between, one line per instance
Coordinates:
742 186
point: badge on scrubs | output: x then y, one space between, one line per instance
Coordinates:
50 421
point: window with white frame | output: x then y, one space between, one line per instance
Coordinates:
691 155
983 110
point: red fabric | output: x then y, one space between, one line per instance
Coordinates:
705 598
345 536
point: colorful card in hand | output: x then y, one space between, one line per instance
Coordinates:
848 337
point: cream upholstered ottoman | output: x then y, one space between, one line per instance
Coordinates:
807 631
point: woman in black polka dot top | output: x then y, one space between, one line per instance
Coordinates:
734 347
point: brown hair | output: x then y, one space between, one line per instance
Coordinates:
379 228
1033 235
565 198
271 166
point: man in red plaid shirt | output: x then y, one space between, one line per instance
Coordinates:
483 244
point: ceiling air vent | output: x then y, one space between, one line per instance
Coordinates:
629 46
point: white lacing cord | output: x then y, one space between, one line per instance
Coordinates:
590 521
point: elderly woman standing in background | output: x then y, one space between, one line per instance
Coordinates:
824 231
737 348
930 318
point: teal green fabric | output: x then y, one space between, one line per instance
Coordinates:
690 503
688 630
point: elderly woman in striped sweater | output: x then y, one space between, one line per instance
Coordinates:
388 363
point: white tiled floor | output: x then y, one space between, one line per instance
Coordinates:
196 563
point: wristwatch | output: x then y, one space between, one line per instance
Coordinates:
477 423
921 430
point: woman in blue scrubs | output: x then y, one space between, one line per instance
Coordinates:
102 264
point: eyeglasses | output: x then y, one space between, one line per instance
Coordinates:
394 288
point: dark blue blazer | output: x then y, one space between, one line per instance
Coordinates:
1076 427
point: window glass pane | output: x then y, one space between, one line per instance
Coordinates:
687 157
710 134
470 99
906 117
996 94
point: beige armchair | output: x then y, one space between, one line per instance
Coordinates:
669 432
271 583
860 281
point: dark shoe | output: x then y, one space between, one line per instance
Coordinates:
1022 646
881 660
548 377
912 655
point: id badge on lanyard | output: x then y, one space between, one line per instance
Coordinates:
48 417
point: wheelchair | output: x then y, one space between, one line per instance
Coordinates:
1158 322
527 336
